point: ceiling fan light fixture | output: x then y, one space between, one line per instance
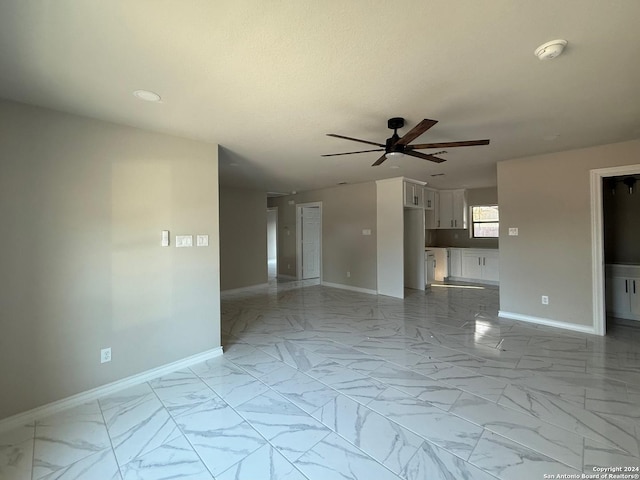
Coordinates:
394 155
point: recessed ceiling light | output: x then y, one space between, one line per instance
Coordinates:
394 166
147 96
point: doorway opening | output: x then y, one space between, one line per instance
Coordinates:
272 242
601 290
309 240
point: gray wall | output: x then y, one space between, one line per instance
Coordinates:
461 238
346 211
548 198
621 222
243 238
82 205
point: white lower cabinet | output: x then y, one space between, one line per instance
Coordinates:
480 265
455 262
623 291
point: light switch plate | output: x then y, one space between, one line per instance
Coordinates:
366 231
184 241
513 231
165 238
202 240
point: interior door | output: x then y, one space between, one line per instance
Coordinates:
310 233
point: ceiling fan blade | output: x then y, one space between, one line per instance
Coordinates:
424 156
355 139
349 153
380 160
467 143
416 131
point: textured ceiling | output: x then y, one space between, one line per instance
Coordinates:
268 79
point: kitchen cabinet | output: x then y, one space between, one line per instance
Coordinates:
452 209
474 264
413 195
429 267
480 265
429 197
432 216
623 291
441 263
455 262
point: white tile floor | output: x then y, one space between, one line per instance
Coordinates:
320 384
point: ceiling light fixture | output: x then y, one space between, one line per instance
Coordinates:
394 155
550 50
147 96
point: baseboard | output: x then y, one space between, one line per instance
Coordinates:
548 322
245 289
108 389
349 287
473 280
287 277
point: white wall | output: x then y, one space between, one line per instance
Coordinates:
82 205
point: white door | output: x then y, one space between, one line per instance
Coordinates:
310 241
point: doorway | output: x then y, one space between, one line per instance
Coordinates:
309 240
597 241
272 242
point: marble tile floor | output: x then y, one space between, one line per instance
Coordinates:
319 384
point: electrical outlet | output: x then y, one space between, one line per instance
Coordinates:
545 300
348 274
202 240
513 231
105 355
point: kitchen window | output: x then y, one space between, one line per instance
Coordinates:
484 221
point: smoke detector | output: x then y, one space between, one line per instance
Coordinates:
550 50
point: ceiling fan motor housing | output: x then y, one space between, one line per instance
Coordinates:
394 124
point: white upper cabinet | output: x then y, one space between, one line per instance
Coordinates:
429 198
413 195
432 216
453 209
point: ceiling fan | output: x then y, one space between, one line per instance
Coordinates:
397 147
